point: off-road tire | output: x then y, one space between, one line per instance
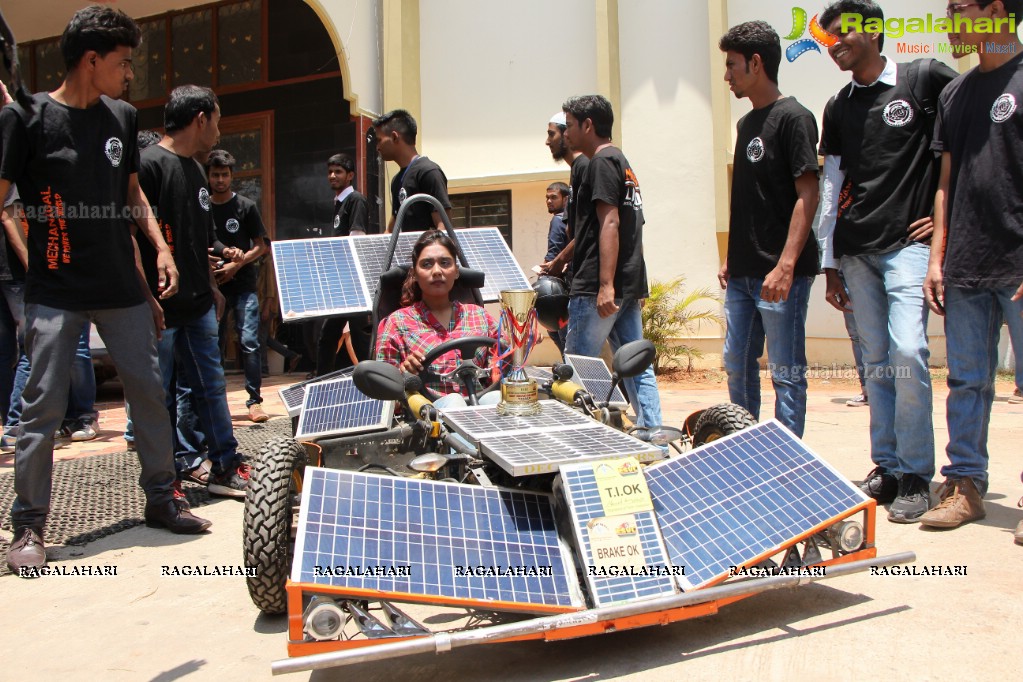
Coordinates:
267 540
719 421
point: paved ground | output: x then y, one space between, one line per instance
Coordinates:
140 625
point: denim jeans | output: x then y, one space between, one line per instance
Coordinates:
587 331
51 337
13 360
82 397
973 321
193 350
245 305
887 299
749 319
854 336
1010 311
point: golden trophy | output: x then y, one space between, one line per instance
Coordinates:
518 326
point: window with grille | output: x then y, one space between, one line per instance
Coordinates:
483 209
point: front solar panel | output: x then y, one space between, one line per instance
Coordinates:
336 407
744 496
420 540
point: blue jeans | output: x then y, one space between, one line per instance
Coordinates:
973 322
887 300
82 397
587 331
245 305
195 346
749 319
13 360
854 337
1010 311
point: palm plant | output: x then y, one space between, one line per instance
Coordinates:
671 313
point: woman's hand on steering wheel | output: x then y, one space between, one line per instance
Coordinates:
413 364
468 346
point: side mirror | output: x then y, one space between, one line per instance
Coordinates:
379 380
632 358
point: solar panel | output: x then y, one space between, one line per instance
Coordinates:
622 580
527 454
539 373
318 277
292 396
340 275
538 444
743 497
595 377
447 543
335 407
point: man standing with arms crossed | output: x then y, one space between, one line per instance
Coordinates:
76 148
978 275
879 182
238 224
609 279
771 263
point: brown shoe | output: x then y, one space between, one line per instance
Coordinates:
257 414
175 519
27 553
960 503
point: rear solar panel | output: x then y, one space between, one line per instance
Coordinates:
337 407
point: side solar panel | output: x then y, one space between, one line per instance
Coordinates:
480 421
539 373
444 543
486 250
654 580
292 396
318 277
332 408
743 497
595 377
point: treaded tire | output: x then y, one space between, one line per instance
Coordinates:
267 540
719 421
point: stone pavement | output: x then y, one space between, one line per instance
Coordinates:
140 625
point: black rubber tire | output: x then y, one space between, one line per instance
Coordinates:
268 545
719 421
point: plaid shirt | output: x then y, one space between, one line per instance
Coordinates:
415 328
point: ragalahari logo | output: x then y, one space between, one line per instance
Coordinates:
818 36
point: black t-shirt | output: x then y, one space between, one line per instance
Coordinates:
891 172
580 167
72 168
176 188
422 176
775 145
981 126
238 223
609 179
351 214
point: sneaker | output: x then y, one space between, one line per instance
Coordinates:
180 499
232 483
913 501
1016 398
880 485
256 413
85 430
960 503
858 401
27 553
129 445
200 474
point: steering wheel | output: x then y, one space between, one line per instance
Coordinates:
467 371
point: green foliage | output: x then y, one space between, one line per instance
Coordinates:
671 313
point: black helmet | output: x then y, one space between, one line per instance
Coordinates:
551 302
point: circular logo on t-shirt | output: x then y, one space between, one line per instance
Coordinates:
114 149
204 199
231 225
755 149
897 113
337 221
1003 108
402 196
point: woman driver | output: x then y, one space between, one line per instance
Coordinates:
429 317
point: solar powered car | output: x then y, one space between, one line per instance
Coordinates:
502 519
